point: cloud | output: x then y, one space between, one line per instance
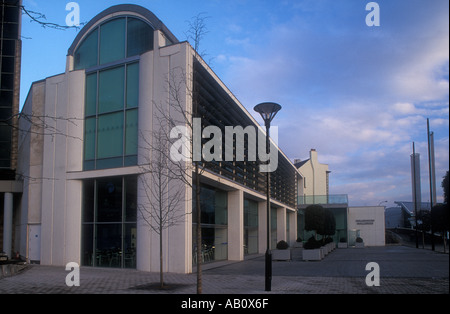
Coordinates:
359 95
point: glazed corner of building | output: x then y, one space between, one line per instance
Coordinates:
50 230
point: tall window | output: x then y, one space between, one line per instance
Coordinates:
273 227
109 222
214 224
110 55
9 34
111 117
250 227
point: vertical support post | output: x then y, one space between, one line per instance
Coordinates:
268 272
7 223
415 194
236 225
432 177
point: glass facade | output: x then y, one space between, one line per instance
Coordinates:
9 57
111 101
216 107
109 54
250 227
112 41
109 222
273 228
340 214
214 224
341 224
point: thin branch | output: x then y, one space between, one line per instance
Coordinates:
42 20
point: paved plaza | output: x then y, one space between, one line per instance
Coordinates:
403 270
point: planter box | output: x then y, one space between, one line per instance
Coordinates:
342 245
281 255
312 255
331 246
298 244
359 244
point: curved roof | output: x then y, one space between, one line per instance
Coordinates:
147 14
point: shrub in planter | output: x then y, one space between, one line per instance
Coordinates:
359 242
281 253
312 250
342 243
282 245
298 243
312 243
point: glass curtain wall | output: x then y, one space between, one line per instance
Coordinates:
110 56
109 222
111 113
273 228
214 225
341 225
250 227
301 224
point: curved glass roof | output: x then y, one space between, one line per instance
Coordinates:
129 32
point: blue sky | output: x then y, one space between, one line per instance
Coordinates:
359 95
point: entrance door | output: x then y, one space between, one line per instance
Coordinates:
34 243
352 235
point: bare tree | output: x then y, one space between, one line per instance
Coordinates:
163 193
188 170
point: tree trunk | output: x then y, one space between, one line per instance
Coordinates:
161 274
199 230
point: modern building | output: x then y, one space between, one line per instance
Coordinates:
367 222
87 192
314 189
10 55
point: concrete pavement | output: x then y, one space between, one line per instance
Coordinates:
403 270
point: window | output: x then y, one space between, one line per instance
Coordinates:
273 227
111 101
86 55
111 90
250 227
139 37
110 55
214 224
112 41
109 222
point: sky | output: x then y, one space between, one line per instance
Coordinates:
360 95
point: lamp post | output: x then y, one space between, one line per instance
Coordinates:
268 110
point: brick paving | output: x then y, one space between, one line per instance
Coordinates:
403 270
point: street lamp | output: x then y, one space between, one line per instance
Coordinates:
268 110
